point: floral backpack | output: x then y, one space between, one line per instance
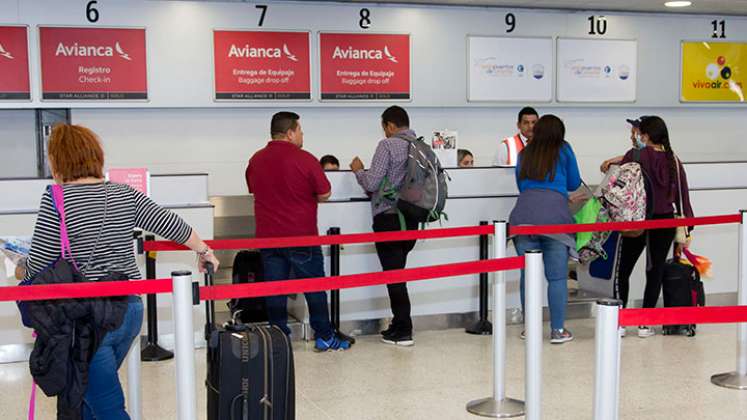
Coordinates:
626 196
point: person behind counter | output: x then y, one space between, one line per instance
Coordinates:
329 163
100 217
671 195
465 158
387 175
288 183
510 147
546 172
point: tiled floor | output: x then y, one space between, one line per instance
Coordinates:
663 378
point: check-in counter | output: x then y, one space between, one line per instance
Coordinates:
475 194
185 194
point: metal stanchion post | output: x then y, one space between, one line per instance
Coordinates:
533 286
607 367
134 384
498 405
334 295
184 340
152 352
483 326
738 378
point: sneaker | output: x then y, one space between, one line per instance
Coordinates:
560 336
398 339
622 332
523 335
333 344
645 332
389 331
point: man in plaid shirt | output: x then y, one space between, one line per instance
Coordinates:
383 180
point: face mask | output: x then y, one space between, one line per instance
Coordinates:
639 143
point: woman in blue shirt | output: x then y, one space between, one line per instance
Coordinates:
545 174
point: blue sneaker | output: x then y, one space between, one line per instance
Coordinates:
333 344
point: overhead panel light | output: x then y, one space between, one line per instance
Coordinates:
678 3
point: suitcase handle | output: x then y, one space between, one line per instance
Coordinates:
209 304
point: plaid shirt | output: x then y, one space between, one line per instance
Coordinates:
390 162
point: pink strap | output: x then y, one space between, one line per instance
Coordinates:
32 398
58 197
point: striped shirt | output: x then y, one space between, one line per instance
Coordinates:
126 209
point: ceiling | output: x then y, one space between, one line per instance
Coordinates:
709 7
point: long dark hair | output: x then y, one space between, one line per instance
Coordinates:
540 158
657 132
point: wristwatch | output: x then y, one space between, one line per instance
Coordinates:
205 252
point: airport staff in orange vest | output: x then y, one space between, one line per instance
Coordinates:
510 147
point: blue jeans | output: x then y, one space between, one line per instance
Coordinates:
555 257
290 264
104 399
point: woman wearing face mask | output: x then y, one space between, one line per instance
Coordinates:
669 188
635 139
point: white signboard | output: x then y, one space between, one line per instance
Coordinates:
592 70
509 69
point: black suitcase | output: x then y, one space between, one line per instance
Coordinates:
681 287
250 370
247 268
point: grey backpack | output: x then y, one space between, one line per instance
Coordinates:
422 196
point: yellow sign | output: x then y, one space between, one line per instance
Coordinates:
713 71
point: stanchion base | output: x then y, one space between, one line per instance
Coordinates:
731 380
482 327
489 407
154 353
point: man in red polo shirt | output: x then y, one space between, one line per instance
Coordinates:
288 183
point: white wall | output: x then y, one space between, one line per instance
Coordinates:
179 41
182 130
220 141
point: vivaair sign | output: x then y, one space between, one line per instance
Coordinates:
259 65
93 63
14 64
365 66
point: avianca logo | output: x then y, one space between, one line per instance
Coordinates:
4 53
248 51
77 50
352 54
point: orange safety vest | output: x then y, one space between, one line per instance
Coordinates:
515 146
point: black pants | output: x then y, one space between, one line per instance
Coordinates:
659 241
393 256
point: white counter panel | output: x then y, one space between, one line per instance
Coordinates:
449 295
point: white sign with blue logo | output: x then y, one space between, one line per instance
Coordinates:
593 70
503 69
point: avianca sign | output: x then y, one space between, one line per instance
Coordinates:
260 65
93 63
355 54
357 66
14 64
253 52
77 50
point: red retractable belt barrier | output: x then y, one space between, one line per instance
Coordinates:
285 287
85 290
685 315
273 288
358 238
619 226
352 238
